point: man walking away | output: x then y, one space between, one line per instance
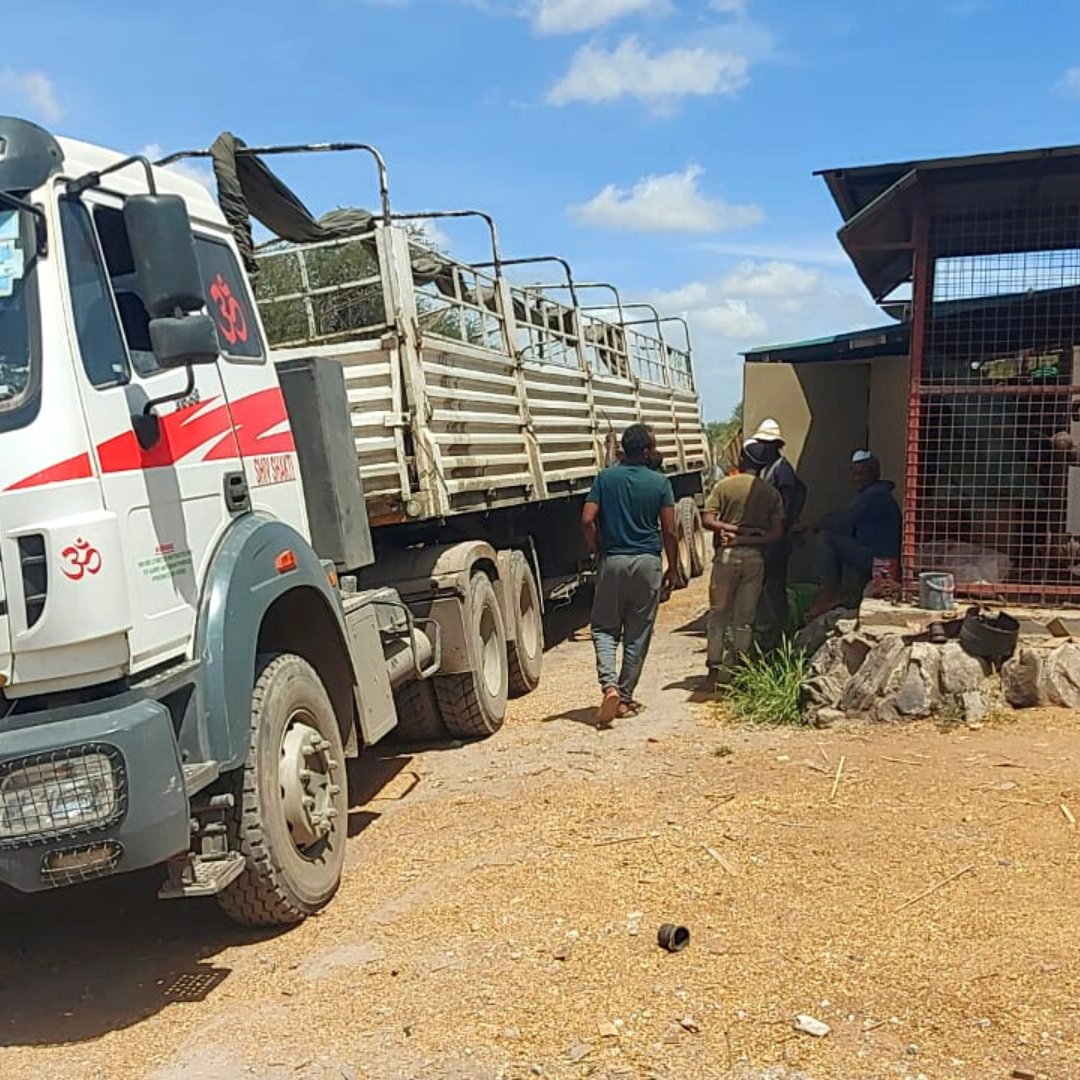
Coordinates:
628 519
745 516
772 611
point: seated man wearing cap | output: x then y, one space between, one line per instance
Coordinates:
850 540
780 474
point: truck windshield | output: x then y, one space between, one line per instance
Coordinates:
17 309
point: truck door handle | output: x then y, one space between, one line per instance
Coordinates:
237 496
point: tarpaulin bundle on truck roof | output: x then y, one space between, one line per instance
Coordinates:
247 189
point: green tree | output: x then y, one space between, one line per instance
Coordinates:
333 293
722 432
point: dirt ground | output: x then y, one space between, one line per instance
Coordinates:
499 911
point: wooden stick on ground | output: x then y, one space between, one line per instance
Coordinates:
620 840
934 888
720 859
1068 815
836 781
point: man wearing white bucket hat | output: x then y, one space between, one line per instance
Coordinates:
779 474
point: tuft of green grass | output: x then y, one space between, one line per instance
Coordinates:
768 688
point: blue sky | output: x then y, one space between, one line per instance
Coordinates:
665 145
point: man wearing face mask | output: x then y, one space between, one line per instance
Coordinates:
628 520
778 473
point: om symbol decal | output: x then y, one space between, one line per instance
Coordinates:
231 320
80 559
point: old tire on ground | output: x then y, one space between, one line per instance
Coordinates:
683 536
418 715
473 705
525 655
291 816
699 550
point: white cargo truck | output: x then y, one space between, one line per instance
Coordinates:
259 507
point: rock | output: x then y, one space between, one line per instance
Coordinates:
811 638
960 672
578 1052
809 1026
1060 682
974 706
886 713
608 1031
823 690
918 693
865 687
1021 679
825 718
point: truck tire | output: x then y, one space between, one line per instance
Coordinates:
525 655
291 817
699 551
683 538
473 705
418 714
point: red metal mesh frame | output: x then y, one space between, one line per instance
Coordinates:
993 459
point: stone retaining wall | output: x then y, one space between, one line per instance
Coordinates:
884 674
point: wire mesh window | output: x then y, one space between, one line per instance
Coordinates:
995 475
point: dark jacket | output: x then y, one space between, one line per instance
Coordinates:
872 518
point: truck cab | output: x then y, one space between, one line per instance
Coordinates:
158 589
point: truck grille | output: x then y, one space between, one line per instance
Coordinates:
35 575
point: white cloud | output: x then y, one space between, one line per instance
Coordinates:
1069 83
32 91
670 202
729 7
599 76
202 175
762 303
577 16
772 279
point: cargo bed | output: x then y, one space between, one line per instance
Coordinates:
475 394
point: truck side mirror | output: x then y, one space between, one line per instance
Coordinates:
169 281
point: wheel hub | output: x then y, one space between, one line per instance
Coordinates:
306 771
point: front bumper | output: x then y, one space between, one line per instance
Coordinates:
89 791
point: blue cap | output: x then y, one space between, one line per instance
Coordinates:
860 456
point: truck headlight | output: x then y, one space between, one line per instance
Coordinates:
59 793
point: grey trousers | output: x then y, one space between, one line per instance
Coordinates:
624 611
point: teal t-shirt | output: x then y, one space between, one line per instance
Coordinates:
630 498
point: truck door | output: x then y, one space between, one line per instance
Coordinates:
263 434
168 495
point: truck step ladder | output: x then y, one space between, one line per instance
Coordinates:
200 876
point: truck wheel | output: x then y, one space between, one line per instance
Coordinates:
683 539
473 705
291 817
699 551
526 654
418 714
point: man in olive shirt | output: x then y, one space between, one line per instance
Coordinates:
745 515
630 507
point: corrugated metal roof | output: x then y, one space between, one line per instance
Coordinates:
891 340
854 188
877 205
